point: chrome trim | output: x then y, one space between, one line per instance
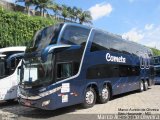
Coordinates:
46 93
58 46
29 98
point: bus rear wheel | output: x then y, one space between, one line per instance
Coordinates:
90 98
105 95
145 85
141 86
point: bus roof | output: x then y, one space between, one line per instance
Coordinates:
104 31
10 49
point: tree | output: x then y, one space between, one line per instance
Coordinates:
56 9
70 13
27 3
85 17
76 12
155 51
65 12
42 5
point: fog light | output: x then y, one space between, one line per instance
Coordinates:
45 103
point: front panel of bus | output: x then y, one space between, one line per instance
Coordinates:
50 73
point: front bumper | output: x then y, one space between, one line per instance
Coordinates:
46 103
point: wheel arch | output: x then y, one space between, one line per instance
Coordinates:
93 85
109 86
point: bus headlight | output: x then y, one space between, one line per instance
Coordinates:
44 103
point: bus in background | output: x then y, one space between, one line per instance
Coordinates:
71 64
156 60
10 60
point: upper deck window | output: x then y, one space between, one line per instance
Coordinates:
100 42
75 35
46 36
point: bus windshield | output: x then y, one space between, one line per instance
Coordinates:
46 36
36 73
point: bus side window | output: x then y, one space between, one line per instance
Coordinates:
64 70
102 71
99 42
123 71
135 70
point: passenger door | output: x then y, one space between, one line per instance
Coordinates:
64 70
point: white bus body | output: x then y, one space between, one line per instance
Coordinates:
10 60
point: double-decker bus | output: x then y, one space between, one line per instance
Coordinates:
156 60
10 60
71 64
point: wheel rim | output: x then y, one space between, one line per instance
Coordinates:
105 93
142 86
89 97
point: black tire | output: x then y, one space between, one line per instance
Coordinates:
145 85
141 89
105 95
90 98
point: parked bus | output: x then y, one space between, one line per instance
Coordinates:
10 58
70 64
157 69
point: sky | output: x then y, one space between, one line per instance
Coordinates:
135 20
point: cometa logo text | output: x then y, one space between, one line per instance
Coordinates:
111 58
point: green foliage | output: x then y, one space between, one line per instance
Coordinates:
155 51
17 28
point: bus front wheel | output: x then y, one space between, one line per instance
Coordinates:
105 95
90 98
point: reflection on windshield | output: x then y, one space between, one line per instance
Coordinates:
46 37
37 73
75 35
